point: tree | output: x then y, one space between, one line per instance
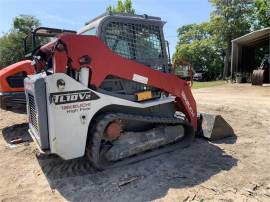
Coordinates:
122 7
229 20
196 46
262 13
25 23
208 45
11 48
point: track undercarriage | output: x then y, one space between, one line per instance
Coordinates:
105 146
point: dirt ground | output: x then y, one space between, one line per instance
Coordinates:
232 169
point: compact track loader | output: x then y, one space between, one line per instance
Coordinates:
107 93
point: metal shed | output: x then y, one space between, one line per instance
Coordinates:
248 51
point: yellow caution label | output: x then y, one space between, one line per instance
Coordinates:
145 95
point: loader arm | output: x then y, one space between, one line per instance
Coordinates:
68 49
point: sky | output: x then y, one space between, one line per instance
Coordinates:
72 14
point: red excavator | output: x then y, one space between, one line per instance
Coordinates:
107 93
12 94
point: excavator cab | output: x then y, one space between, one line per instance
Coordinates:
183 69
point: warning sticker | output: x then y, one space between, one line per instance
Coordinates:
140 79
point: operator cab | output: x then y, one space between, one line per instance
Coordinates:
135 37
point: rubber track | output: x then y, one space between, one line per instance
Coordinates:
93 143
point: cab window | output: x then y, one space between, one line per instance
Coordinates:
90 32
141 42
16 80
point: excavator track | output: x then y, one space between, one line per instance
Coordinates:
95 148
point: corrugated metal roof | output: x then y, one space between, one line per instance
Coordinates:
253 36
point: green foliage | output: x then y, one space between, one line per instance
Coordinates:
207 84
208 45
229 20
262 13
122 7
25 24
196 46
11 48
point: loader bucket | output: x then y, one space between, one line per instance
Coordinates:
213 127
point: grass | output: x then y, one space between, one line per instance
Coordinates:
207 84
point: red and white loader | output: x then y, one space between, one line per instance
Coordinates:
107 93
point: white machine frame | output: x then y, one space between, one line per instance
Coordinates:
68 123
